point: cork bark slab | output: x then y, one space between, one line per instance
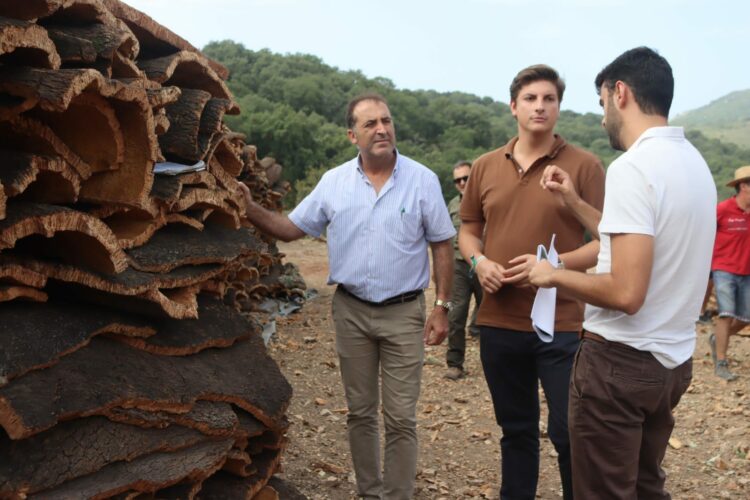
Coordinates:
36 336
145 474
18 275
104 39
29 10
134 227
188 70
26 44
19 292
90 127
216 326
177 245
163 96
226 486
208 417
68 235
39 463
127 283
155 39
33 137
106 373
182 141
41 179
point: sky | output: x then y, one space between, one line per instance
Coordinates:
477 46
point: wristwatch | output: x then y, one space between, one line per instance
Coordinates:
445 304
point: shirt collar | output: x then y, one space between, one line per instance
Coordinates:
666 132
358 165
557 146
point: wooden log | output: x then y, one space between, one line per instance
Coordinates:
176 245
36 336
106 373
147 473
77 238
155 39
41 179
81 447
26 44
188 70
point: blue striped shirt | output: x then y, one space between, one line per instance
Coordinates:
377 243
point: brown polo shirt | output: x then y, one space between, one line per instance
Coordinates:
519 215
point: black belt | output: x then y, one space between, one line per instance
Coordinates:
398 299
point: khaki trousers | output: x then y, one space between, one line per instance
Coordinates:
381 346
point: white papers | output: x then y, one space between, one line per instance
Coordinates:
171 168
543 310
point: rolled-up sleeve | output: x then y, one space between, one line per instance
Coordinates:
311 215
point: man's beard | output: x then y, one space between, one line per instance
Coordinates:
613 126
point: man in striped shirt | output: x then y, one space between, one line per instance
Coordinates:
381 211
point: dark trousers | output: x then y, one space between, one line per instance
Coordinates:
463 288
514 363
621 403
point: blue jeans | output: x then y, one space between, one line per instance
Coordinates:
732 295
514 362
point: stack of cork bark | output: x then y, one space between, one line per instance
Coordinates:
131 361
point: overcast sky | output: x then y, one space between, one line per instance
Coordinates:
477 46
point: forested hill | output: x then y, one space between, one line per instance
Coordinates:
727 118
293 108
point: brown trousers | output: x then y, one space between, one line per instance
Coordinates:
620 419
381 350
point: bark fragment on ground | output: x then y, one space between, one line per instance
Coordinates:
106 373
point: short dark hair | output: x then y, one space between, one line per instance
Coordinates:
370 96
648 75
462 163
533 74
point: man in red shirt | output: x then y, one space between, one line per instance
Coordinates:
730 269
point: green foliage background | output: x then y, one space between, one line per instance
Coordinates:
293 109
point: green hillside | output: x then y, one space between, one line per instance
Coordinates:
293 109
726 118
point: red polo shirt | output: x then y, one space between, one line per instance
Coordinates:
732 244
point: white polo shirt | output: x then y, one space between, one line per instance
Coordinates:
660 187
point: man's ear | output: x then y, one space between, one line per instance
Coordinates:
352 136
513 107
622 94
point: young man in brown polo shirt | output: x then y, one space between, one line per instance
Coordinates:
504 197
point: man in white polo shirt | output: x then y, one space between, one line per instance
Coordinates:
381 211
657 232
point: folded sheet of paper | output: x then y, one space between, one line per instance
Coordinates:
543 310
172 168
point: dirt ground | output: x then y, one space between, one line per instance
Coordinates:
708 456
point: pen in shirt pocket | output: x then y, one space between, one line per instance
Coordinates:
403 211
